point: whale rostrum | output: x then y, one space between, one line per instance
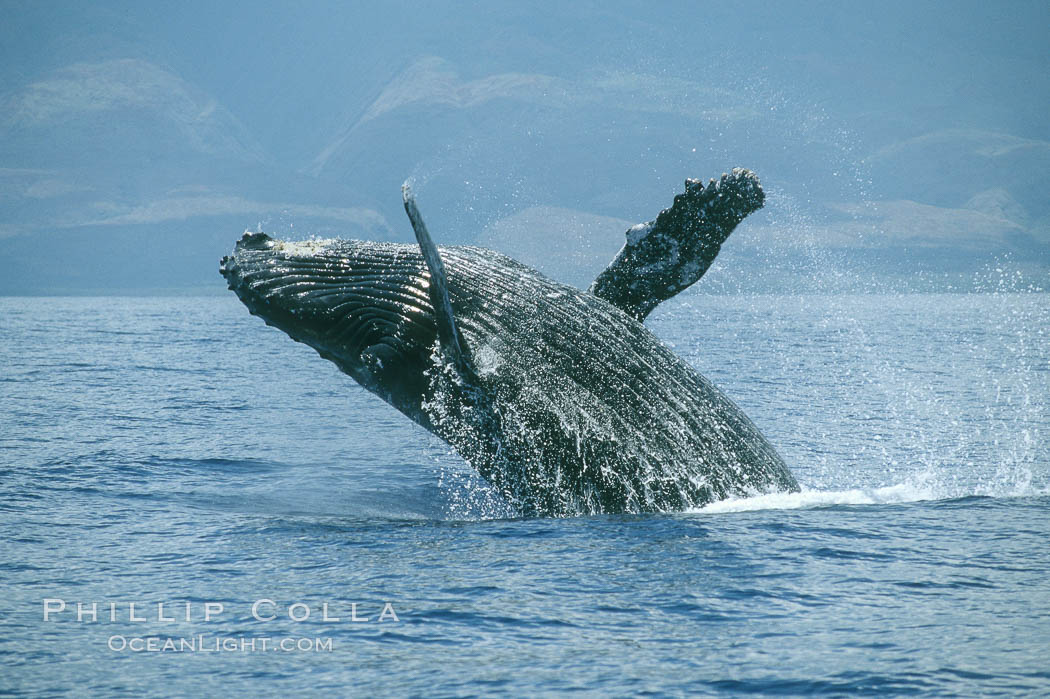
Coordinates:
562 399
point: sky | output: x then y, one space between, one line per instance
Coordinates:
902 145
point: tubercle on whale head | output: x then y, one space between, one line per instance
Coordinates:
248 241
255 241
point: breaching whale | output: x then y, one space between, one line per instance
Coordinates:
561 398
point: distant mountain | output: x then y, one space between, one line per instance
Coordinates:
951 166
137 142
496 143
543 154
106 161
114 114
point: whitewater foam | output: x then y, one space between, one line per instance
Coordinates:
918 490
893 494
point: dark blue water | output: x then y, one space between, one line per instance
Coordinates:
177 451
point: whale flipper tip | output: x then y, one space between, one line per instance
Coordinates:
671 252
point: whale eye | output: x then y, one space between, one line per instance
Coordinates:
378 357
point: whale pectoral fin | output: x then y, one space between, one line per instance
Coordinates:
448 334
665 256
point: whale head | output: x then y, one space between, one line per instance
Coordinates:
363 305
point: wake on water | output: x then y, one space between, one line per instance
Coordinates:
902 493
472 499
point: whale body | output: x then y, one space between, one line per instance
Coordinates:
561 398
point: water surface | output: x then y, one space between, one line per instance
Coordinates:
176 451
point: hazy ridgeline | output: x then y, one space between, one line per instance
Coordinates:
902 147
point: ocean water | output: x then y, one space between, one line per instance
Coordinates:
177 452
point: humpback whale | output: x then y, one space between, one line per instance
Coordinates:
561 398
